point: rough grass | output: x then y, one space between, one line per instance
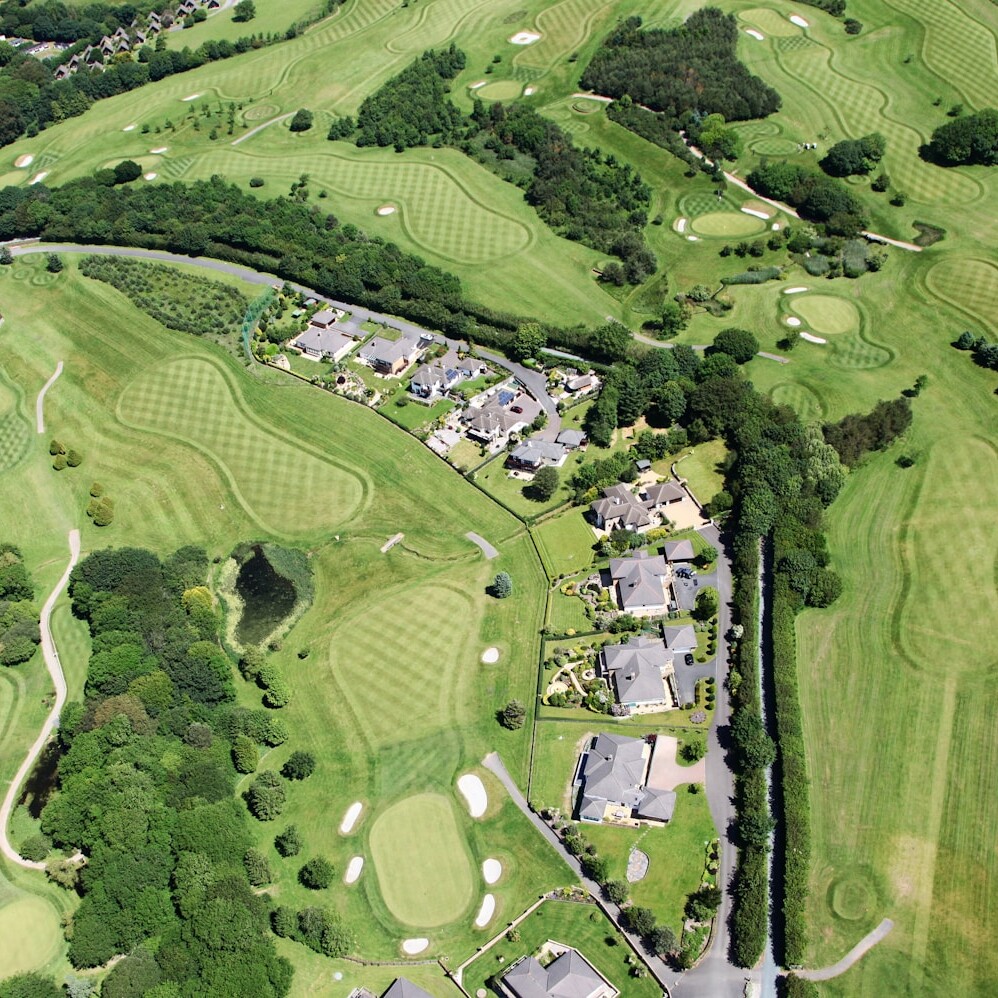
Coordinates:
421 861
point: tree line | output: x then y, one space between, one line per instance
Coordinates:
19 634
55 22
971 139
817 197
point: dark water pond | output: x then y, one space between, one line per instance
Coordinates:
267 598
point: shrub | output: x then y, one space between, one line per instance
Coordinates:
36 847
245 756
617 891
302 121
59 462
256 182
759 276
288 843
852 26
817 266
300 766
56 448
513 715
316 874
74 458
266 796
502 586
53 263
257 867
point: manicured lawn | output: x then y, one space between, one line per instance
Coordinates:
583 926
565 542
701 467
676 853
568 613
413 415
421 862
515 492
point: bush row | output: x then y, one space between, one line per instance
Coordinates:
759 276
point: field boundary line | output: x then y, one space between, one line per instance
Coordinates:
54 667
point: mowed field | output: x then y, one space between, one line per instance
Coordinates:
392 699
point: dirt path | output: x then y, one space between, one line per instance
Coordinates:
51 722
863 946
260 128
39 402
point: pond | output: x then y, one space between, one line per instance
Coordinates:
268 597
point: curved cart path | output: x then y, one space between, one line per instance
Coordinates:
59 681
39 402
487 549
853 956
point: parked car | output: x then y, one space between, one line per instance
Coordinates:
689 659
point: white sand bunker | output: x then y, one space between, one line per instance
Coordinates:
792 320
485 913
129 128
793 291
350 818
799 21
693 239
150 176
811 338
473 791
387 209
191 97
414 946
23 162
491 871
529 91
39 177
490 655
757 213
158 150
353 870
681 225
478 85
775 226
755 34
525 38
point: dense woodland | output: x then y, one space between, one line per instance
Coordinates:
817 197
19 635
146 785
689 70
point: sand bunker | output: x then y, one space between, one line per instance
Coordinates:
158 150
529 91
414 946
22 162
387 209
39 177
478 85
350 818
353 869
150 176
792 320
525 38
693 239
491 871
473 791
793 291
129 128
757 213
490 655
798 20
775 226
191 97
485 913
755 34
681 225
811 338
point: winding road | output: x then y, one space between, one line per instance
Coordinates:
54 667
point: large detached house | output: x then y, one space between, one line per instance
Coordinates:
532 455
508 410
569 975
326 342
620 508
392 357
638 672
612 778
641 583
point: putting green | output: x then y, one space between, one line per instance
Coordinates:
501 90
769 22
827 314
727 223
30 935
421 861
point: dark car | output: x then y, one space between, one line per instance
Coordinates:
689 659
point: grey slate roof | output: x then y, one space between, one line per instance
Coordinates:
658 805
636 669
619 503
401 988
639 580
534 452
614 770
680 640
494 418
322 341
679 551
324 318
569 976
571 438
659 495
387 352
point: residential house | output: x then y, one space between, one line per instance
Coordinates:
506 410
471 367
326 318
433 380
392 357
61 72
638 672
569 975
679 551
326 343
582 384
532 455
572 439
680 640
185 8
620 508
663 494
612 778
641 583
401 988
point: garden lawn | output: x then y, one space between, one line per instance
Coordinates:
702 467
676 853
515 492
583 926
565 542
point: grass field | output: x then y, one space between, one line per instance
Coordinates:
195 450
702 467
421 861
581 925
565 542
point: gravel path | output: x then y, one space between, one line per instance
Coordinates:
488 550
39 402
54 667
260 128
862 947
